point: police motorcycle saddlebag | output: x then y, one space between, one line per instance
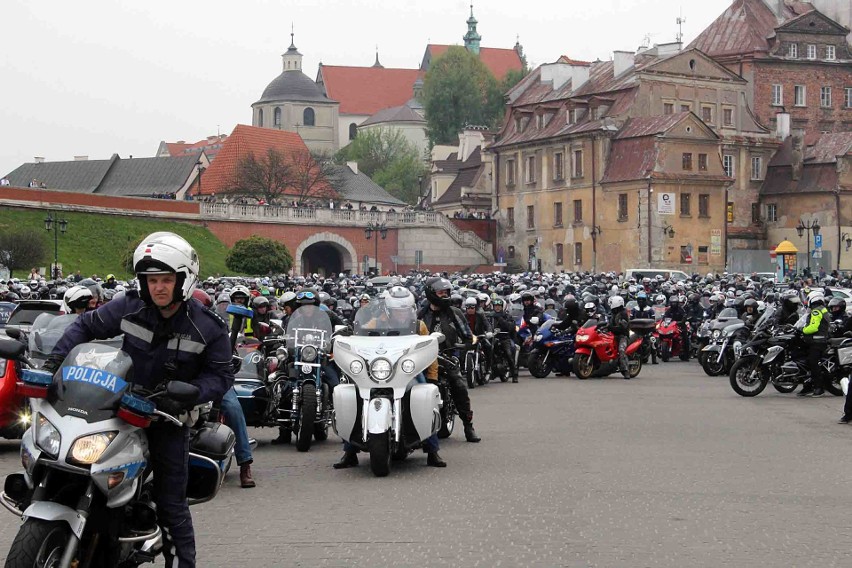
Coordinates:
210 449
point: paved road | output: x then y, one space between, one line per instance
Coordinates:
670 469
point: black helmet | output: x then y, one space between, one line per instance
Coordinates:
750 303
260 302
694 298
527 296
837 306
436 285
570 301
307 297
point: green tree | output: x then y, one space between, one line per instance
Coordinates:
389 159
459 90
259 255
22 249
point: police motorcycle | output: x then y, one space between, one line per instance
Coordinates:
551 351
727 334
86 492
384 410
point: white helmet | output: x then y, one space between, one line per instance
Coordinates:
78 297
165 253
815 297
239 290
398 298
470 302
616 302
660 299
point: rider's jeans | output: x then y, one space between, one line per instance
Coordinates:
236 420
330 375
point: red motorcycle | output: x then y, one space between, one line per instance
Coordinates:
14 410
670 340
596 351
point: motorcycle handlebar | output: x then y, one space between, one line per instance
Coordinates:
168 417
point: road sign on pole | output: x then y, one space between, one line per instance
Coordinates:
818 241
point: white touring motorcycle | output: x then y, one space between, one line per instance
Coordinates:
384 410
85 494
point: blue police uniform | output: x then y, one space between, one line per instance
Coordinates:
194 344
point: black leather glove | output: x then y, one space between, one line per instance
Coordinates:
169 405
52 364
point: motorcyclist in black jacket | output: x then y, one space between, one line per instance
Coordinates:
504 322
571 316
676 312
439 315
790 305
619 324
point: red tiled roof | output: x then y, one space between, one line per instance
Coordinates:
568 60
743 28
367 90
245 140
211 147
499 61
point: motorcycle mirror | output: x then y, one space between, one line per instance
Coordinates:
11 349
182 392
14 333
439 336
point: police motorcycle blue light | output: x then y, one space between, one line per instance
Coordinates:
96 377
36 377
138 404
238 310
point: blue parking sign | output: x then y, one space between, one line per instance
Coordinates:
818 241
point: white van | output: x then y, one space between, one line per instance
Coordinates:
640 273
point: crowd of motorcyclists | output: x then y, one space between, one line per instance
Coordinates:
497 315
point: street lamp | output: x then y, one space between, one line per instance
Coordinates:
56 225
200 165
803 228
382 230
596 231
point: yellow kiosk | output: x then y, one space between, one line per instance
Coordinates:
785 254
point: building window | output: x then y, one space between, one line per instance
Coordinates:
757 168
830 53
353 131
622 207
702 162
260 117
668 108
578 210
578 253
308 117
728 117
558 166
728 165
510 172
799 95
559 255
685 210
531 169
811 51
772 212
276 117
707 114
578 164
793 51
511 252
777 95
685 107
825 96
703 256
557 214
510 218
755 213
530 216
687 161
704 205
848 99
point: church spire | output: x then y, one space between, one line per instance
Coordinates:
292 59
377 64
472 38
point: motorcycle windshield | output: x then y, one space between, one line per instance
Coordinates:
309 325
252 363
91 382
590 323
378 319
766 319
46 331
728 313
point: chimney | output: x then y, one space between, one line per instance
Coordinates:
469 140
558 73
797 157
621 62
782 125
579 76
353 166
39 159
80 158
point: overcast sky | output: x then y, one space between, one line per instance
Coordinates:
118 76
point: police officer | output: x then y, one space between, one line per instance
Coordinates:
816 334
168 337
440 316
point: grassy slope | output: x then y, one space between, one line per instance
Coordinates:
94 244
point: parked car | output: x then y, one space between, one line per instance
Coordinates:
6 309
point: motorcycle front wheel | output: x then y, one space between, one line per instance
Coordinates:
307 416
711 365
583 366
634 365
380 454
38 544
746 377
665 352
448 416
470 370
536 365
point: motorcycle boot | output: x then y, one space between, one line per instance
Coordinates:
349 459
469 432
246 480
434 460
283 437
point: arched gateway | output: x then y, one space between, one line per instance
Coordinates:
325 253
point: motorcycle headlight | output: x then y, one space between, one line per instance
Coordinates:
380 370
537 337
47 436
582 337
309 354
717 333
356 367
87 450
407 366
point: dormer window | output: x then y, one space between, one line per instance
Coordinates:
830 53
793 51
812 51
